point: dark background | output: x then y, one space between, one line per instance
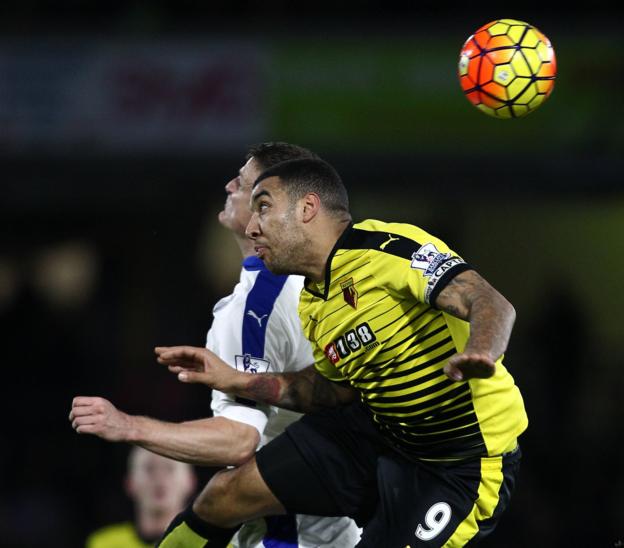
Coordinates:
121 122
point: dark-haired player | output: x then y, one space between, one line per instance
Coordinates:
416 424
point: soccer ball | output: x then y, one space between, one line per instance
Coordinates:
507 68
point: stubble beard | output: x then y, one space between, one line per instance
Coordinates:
292 259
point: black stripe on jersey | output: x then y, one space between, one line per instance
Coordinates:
414 335
345 274
463 401
395 244
464 439
346 320
376 367
401 386
399 246
417 304
446 416
351 260
398 374
459 391
333 326
469 417
437 437
339 294
412 320
387 296
412 395
459 437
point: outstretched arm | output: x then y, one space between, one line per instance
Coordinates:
304 391
469 297
216 441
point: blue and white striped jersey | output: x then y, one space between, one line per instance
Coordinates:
257 329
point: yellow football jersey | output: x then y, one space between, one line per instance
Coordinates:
372 323
119 535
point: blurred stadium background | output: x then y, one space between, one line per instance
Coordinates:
119 127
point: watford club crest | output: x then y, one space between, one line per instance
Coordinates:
349 293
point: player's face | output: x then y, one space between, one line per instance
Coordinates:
158 484
276 228
236 212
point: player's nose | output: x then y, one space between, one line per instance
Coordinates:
253 228
230 186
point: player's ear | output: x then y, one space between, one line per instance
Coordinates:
311 205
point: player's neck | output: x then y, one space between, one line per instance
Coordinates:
324 245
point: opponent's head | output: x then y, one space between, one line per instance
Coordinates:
293 203
236 213
156 484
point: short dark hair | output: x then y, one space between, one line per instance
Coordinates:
271 153
311 175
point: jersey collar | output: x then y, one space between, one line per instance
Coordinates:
313 288
253 263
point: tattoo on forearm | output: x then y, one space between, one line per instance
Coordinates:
311 392
304 391
287 390
468 296
324 394
264 388
489 329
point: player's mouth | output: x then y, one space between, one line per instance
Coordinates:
260 250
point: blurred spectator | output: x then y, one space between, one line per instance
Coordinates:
159 488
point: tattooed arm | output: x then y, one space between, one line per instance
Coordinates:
469 297
304 391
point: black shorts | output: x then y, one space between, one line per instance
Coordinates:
336 463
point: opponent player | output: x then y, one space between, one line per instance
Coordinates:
429 455
256 329
159 488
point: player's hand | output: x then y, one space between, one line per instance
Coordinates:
198 365
98 416
470 365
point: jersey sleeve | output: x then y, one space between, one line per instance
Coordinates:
224 405
427 270
227 405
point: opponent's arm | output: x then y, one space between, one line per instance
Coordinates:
216 441
469 297
304 391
